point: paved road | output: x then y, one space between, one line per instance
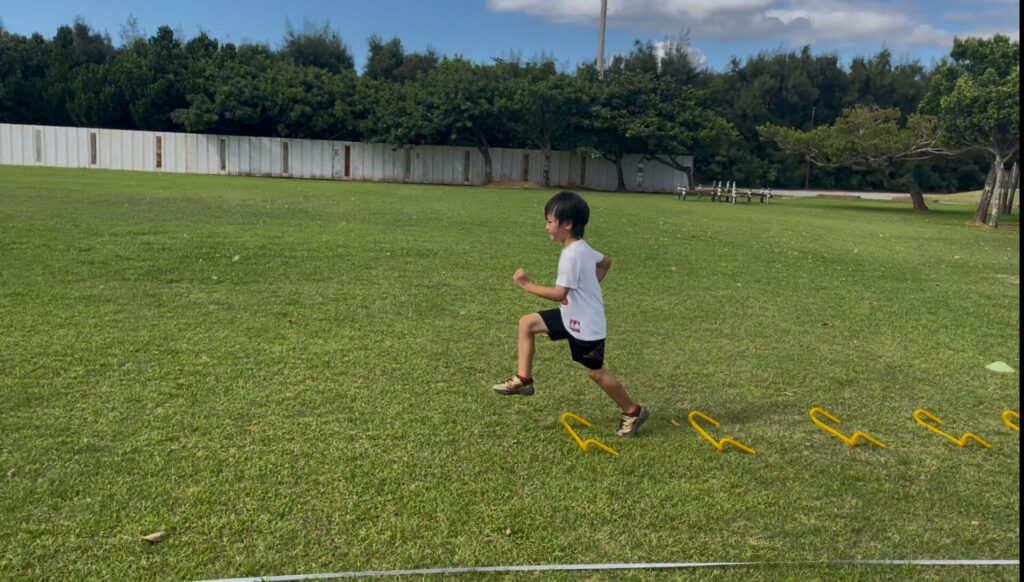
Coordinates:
865 195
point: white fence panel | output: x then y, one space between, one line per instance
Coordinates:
319 159
5 144
18 146
253 147
56 147
392 164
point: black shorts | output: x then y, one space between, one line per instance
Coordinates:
588 353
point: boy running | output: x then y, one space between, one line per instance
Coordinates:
580 318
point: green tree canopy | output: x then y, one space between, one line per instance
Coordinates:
976 97
868 139
548 107
316 46
384 58
249 92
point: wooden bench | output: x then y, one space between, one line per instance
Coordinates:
727 195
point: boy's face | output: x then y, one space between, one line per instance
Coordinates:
559 231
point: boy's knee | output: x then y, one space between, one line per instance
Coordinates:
524 323
529 323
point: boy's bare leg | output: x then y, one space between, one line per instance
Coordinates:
529 325
613 388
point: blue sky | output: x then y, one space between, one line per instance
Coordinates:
564 29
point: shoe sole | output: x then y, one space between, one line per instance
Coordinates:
644 413
507 392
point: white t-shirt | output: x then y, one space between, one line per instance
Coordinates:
583 309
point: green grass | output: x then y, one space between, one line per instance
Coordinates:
971 198
293 377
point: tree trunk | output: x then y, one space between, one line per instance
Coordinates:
916 197
986 194
1014 185
1009 190
480 141
997 189
617 160
486 153
675 165
546 179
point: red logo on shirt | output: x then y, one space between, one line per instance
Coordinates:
565 301
574 325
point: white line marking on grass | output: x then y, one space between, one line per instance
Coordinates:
582 567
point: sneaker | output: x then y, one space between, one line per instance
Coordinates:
514 387
630 424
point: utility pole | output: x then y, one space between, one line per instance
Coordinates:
807 176
600 40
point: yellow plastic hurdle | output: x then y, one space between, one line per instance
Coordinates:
850 440
962 441
584 444
720 445
1006 419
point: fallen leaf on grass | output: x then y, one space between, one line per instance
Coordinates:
975 523
827 324
787 393
673 422
156 537
508 531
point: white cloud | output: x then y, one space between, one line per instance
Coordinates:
1013 34
838 22
694 55
820 23
645 14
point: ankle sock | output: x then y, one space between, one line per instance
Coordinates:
635 411
524 380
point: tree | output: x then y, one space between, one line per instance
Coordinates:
152 77
677 65
71 49
97 98
877 82
687 127
623 109
416 64
547 105
976 97
460 103
866 139
316 47
384 58
23 65
794 89
249 92
669 59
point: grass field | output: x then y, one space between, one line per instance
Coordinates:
293 377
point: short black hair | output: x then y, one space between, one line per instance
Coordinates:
569 206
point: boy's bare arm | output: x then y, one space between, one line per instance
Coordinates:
602 267
556 293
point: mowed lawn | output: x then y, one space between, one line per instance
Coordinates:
292 377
